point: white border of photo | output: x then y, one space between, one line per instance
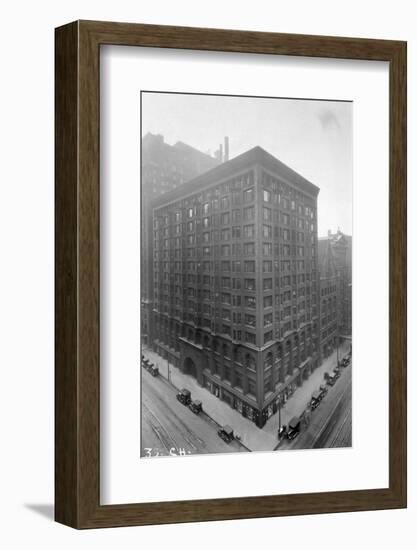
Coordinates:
125 478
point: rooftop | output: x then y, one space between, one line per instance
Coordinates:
257 155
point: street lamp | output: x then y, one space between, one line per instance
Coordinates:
169 372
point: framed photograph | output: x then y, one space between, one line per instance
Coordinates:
230 274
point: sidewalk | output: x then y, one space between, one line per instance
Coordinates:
299 401
254 438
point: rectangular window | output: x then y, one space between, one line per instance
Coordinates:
267 284
226 314
226 282
206 208
266 212
236 266
267 319
250 339
249 213
224 203
225 250
236 232
206 237
206 222
268 336
249 249
267 266
190 212
267 232
225 265
267 301
250 302
267 195
225 218
250 284
250 320
206 251
226 298
225 235
236 216
267 249
285 219
237 284
249 231
248 195
226 330
249 266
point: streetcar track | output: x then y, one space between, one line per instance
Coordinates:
331 421
184 426
166 439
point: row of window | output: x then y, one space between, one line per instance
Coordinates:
235 216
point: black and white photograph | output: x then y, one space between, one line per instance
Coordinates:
246 274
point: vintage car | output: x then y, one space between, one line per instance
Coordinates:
196 406
293 428
226 433
315 400
282 432
323 391
154 371
184 397
345 361
331 379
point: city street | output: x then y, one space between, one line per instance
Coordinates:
254 438
330 425
170 428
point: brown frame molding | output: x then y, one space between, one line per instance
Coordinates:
77 274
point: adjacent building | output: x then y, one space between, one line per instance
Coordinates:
335 266
164 167
235 281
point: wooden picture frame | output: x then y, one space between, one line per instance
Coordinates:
77 359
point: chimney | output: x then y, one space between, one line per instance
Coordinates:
226 148
221 152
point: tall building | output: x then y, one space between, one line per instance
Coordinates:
164 167
338 247
236 281
329 290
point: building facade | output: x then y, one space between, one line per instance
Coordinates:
164 168
329 299
335 266
235 275
337 248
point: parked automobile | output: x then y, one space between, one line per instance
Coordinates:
184 397
345 361
336 372
226 433
323 391
293 428
196 406
154 371
331 379
315 400
282 432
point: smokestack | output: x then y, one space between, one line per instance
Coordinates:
221 152
226 148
